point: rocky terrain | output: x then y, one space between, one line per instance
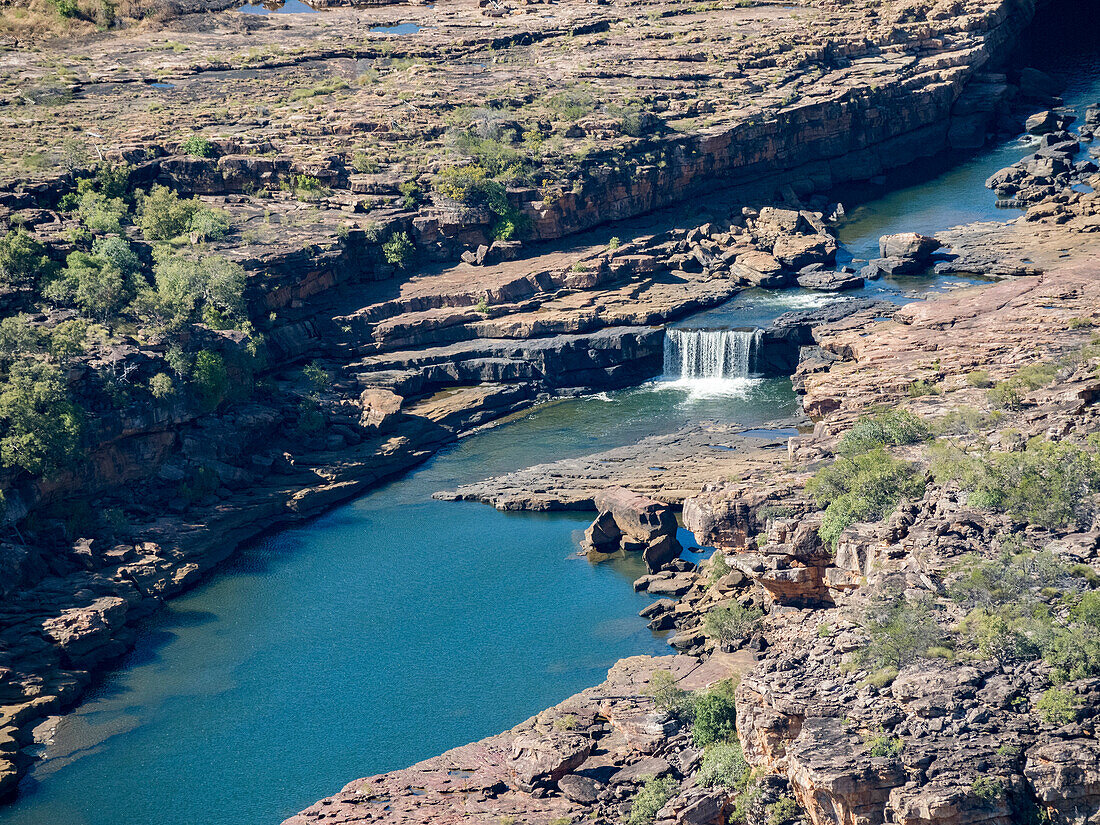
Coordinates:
405 238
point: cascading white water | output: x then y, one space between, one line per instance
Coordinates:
709 354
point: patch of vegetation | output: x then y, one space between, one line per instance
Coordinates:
42 428
987 789
319 89
881 745
715 715
197 146
23 260
1046 484
1057 707
864 487
900 631
398 250
724 765
781 811
922 387
651 797
1010 392
885 429
731 623
164 216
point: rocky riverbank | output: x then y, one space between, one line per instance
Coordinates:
943 729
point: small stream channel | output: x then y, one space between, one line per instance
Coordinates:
397 626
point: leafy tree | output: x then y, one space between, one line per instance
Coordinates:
41 426
1057 707
398 250
197 146
68 339
715 715
864 487
732 623
901 630
211 286
18 337
165 215
23 260
210 380
889 428
101 214
93 283
160 385
724 765
650 799
1046 484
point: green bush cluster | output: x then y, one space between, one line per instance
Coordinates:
1011 617
398 250
885 429
42 428
1010 392
1046 484
164 216
23 260
724 765
731 623
900 630
651 797
862 487
711 713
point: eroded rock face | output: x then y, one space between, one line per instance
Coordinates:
1065 776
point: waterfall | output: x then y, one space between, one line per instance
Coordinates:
710 353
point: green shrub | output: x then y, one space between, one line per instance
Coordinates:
900 631
923 387
889 428
731 623
209 224
101 214
782 810
715 715
883 746
209 380
96 282
160 385
668 697
210 287
363 163
724 765
23 260
1057 707
1046 484
719 567
165 215
882 677
862 487
979 378
986 789
1010 393
197 146
410 194
650 798
41 427
398 250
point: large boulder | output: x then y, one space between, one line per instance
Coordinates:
799 251
379 408
541 760
909 245
637 517
628 521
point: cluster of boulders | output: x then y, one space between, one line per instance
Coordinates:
1061 160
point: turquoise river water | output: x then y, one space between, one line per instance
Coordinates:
396 627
